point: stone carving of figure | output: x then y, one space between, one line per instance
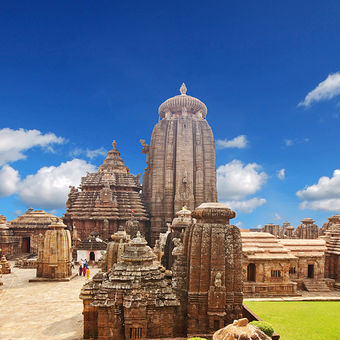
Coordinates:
178 249
218 280
146 149
185 177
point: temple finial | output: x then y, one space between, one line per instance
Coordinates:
183 89
114 144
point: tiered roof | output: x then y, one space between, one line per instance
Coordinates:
333 239
111 193
33 219
305 247
264 246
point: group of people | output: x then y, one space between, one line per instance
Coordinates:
84 268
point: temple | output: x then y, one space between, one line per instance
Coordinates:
137 298
106 199
181 165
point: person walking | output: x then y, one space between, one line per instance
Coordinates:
84 269
88 273
80 269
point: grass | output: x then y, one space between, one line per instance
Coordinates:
301 320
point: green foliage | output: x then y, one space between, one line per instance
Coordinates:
265 327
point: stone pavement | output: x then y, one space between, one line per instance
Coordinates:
306 296
40 310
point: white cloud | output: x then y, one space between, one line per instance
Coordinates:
95 153
331 204
325 195
9 180
277 217
239 224
48 188
281 174
239 142
289 142
14 142
245 206
327 89
236 181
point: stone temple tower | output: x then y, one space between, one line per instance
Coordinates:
181 164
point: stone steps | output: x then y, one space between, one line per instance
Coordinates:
316 286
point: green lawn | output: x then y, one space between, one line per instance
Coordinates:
301 320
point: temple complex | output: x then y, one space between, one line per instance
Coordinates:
54 256
181 165
266 265
137 298
307 230
29 227
106 199
134 300
309 271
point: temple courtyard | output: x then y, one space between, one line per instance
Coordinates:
40 310
53 310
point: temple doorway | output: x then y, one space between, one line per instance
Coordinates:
26 245
251 272
311 271
92 256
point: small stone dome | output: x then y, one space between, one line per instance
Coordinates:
240 330
177 103
218 212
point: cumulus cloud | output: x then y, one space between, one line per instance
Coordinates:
236 180
9 180
48 188
325 195
13 143
281 174
245 206
327 89
239 142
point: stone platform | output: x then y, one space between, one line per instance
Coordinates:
43 279
40 310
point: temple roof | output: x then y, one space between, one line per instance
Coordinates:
34 219
113 162
177 103
112 193
305 247
264 246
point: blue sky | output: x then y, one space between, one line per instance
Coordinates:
75 75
